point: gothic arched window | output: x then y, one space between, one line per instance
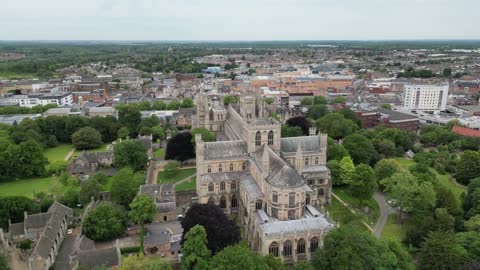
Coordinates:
273 249
234 201
258 138
223 202
287 248
233 185
211 201
210 187
222 186
244 166
301 246
313 244
220 167
270 138
307 199
259 205
231 167
321 192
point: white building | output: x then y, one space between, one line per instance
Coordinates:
61 99
428 98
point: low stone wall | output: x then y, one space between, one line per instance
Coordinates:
185 197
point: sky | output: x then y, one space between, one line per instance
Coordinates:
219 20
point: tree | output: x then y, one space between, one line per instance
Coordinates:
89 189
86 138
320 100
171 167
334 167
221 232
468 167
25 245
31 159
300 122
180 147
239 257
385 168
473 224
440 250
4 263
207 136
307 101
70 197
142 209
360 148
287 131
470 241
104 222
187 103
347 170
123 188
364 182
336 126
346 248
123 133
227 100
338 100
335 151
447 72
130 153
129 116
268 100
194 249
317 111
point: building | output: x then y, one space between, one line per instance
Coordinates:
428 98
389 119
274 184
46 231
163 196
61 99
88 163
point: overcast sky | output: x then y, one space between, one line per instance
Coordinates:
238 19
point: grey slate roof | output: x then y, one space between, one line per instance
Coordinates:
308 143
252 190
223 176
304 224
159 237
225 149
101 257
315 168
280 171
37 220
17 229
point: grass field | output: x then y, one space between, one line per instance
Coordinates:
393 230
444 179
342 216
27 187
175 176
186 186
357 205
102 148
159 152
57 153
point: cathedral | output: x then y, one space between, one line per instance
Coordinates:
275 185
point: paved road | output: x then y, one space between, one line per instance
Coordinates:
385 211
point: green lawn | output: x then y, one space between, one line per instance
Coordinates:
175 176
159 152
342 216
187 186
444 179
355 203
27 187
102 148
393 230
57 153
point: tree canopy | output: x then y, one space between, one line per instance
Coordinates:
86 138
180 147
106 221
130 153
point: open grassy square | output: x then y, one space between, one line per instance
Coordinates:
175 176
28 187
57 153
187 185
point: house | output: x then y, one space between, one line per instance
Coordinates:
161 242
147 143
184 117
88 163
467 132
46 231
163 196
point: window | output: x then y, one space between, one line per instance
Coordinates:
220 167
209 168
270 138
231 167
223 202
274 212
307 199
210 187
306 161
258 139
233 185
287 248
259 204
310 182
313 244
244 166
273 249
321 192
275 197
316 161
234 201
222 186
291 200
301 246
291 214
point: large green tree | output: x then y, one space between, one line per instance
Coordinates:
468 167
14 207
106 221
385 168
239 257
364 182
440 250
207 136
347 170
89 189
130 153
336 125
124 187
360 148
142 209
129 116
86 138
194 249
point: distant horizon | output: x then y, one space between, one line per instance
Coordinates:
239 40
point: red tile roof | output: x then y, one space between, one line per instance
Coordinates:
463 131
